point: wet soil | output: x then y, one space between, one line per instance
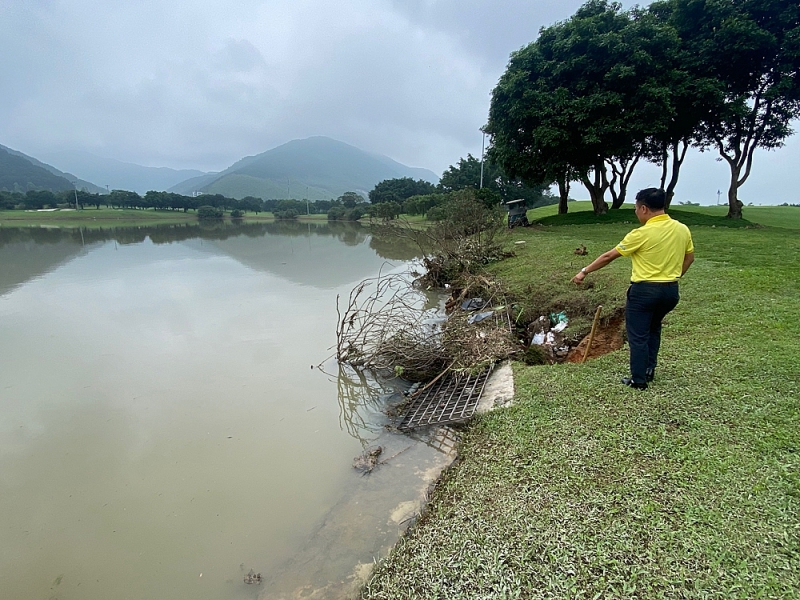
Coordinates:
608 337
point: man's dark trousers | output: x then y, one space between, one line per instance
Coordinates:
647 305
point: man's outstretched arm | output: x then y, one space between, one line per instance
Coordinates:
598 263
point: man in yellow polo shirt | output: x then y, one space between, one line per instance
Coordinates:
661 252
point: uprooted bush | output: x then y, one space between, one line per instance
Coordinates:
475 343
387 327
462 257
461 240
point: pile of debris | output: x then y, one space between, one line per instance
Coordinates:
367 460
252 578
386 326
548 333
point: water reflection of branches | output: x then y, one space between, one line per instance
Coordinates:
361 396
384 327
363 400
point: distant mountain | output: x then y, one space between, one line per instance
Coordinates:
20 172
194 184
118 175
20 175
315 168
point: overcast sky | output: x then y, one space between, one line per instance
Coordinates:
201 83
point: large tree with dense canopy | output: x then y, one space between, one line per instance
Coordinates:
751 48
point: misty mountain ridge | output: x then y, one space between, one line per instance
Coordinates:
21 173
119 175
315 168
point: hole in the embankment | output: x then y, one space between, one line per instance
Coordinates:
550 342
607 338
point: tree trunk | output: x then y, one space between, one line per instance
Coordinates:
597 189
563 195
734 204
736 163
739 149
597 195
615 199
622 175
678 154
620 200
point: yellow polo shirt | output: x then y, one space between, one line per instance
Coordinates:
657 249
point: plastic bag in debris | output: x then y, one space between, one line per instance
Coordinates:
412 390
478 317
559 321
473 304
544 339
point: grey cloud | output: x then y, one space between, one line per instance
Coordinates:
490 30
162 83
201 83
241 56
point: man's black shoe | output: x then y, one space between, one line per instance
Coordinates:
649 375
630 383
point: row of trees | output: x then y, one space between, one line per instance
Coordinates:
388 199
596 94
39 199
490 182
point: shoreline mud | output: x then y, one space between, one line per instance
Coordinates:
389 499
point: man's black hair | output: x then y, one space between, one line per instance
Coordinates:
653 198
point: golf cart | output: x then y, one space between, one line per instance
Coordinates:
517 213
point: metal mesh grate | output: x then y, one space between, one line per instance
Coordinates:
453 398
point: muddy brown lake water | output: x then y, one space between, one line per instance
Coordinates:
162 431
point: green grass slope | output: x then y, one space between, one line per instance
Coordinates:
587 489
786 217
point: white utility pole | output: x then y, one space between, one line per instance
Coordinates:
483 145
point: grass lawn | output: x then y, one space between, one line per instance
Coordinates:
587 489
786 217
314 217
107 217
92 217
